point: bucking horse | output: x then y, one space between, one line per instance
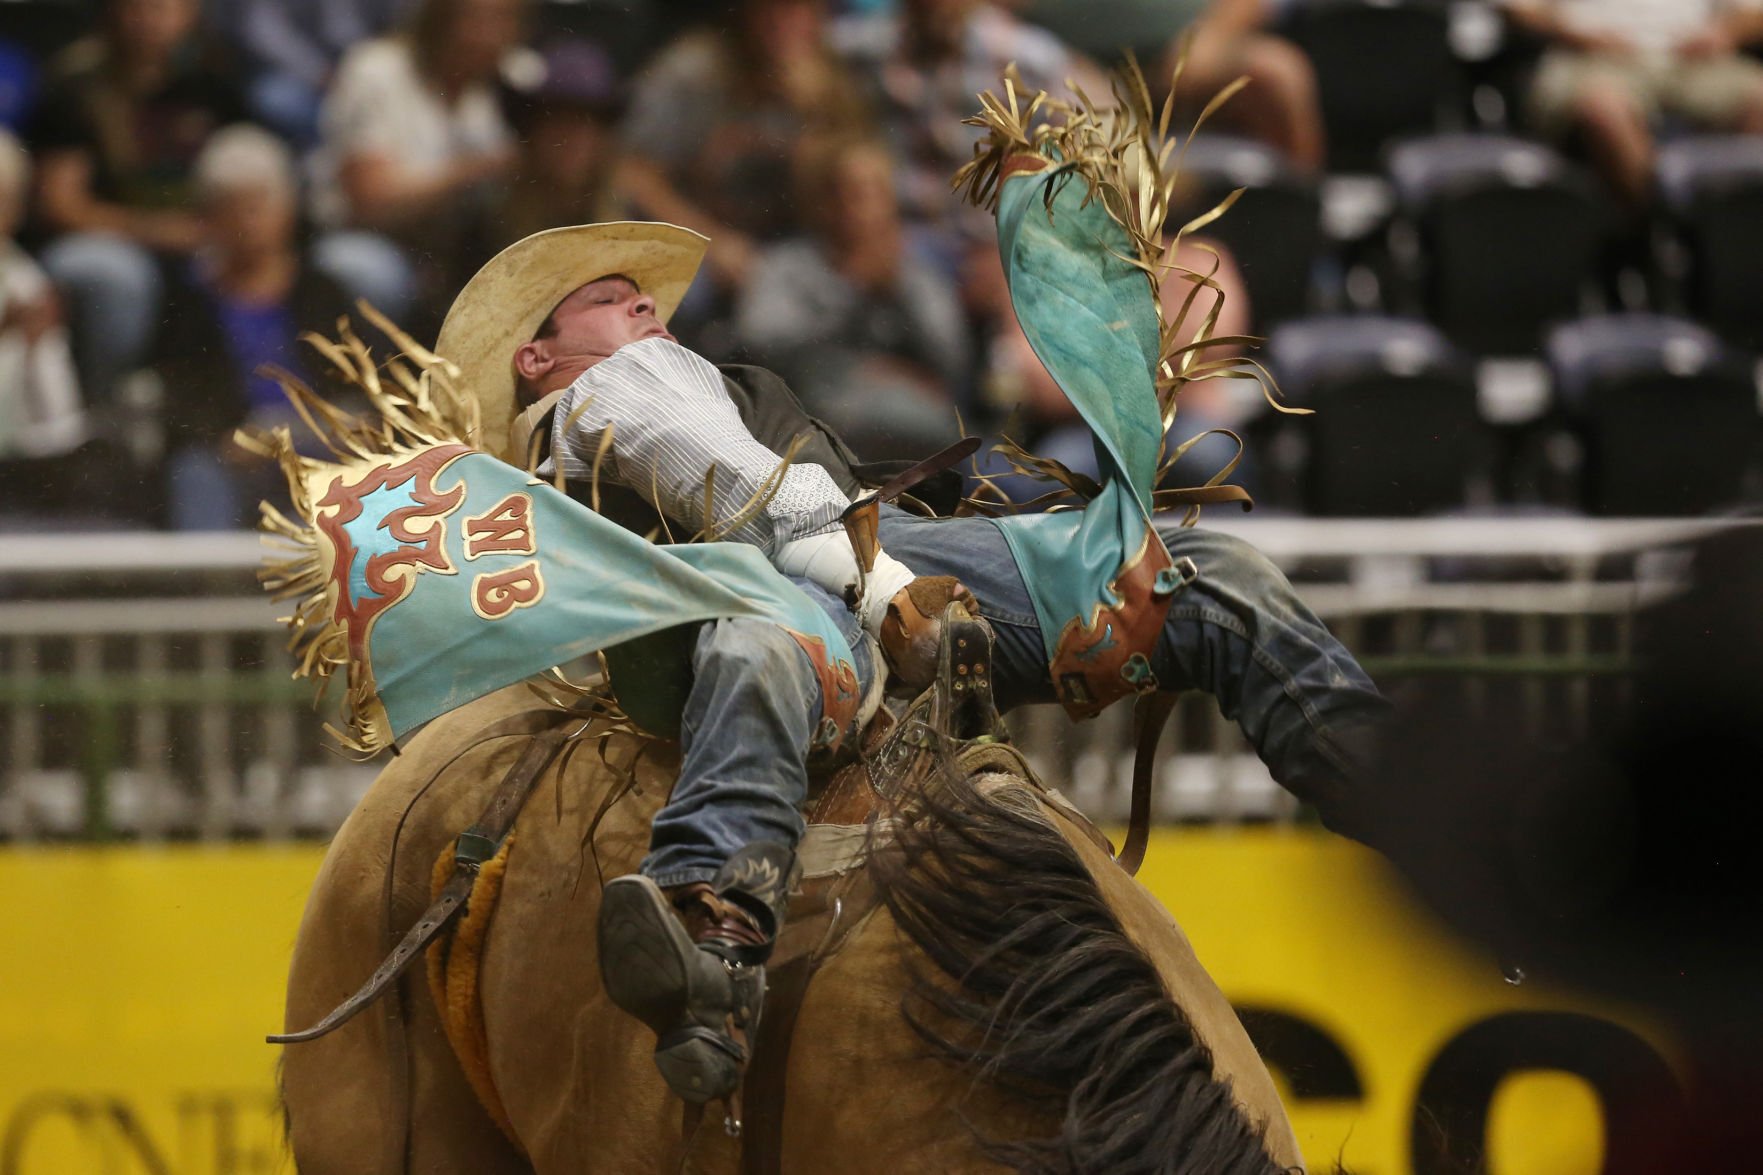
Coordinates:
968 981
969 978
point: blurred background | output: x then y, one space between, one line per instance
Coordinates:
1510 252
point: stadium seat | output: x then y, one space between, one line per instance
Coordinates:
1395 431
1711 190
1273 231
1384 69
1506 233
1667 413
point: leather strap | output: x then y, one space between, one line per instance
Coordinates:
763 1091
475 845
929 467
395 1147
849 903
1149 713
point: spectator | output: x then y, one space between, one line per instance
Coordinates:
1614 66
1230 39
565 124
414 146
121 119
290 48
716 119
1107 30
871 337
926 67
241 303
1280 106
41 419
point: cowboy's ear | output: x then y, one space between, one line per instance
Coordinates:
533 360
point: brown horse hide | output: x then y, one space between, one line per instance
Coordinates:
1009 1000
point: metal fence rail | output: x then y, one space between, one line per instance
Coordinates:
145 690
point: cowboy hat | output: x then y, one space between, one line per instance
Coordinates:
506 302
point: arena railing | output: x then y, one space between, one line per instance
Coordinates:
145 690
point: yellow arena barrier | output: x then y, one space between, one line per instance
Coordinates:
139 983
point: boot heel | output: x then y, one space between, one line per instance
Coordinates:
700 1065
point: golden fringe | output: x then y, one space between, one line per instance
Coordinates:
454 965
415 402
1126 158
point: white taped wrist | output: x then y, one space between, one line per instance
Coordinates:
826 559
885 582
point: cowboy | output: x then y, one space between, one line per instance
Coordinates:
1239 631
1236 628
649 425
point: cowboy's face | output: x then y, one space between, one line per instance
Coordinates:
602 316
589 324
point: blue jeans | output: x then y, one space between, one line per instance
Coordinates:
369 266
1238 632
745 732
202 493
113 289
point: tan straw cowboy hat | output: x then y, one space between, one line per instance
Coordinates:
506 302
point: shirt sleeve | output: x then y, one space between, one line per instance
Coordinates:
673 427
360 112
786 302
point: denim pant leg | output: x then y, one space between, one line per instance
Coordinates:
1238 632
202 492
745 732
1241 633
113 288
369 266
288 105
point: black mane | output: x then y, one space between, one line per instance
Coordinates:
1037 988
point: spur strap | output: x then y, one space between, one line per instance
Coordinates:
475 845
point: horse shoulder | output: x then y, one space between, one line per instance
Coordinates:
864 1092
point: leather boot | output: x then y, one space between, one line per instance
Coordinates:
689 963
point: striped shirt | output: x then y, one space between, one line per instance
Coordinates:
672 423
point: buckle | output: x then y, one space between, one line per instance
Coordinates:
472 849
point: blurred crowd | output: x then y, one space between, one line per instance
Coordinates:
187 186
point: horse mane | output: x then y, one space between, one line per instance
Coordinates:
1034 985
